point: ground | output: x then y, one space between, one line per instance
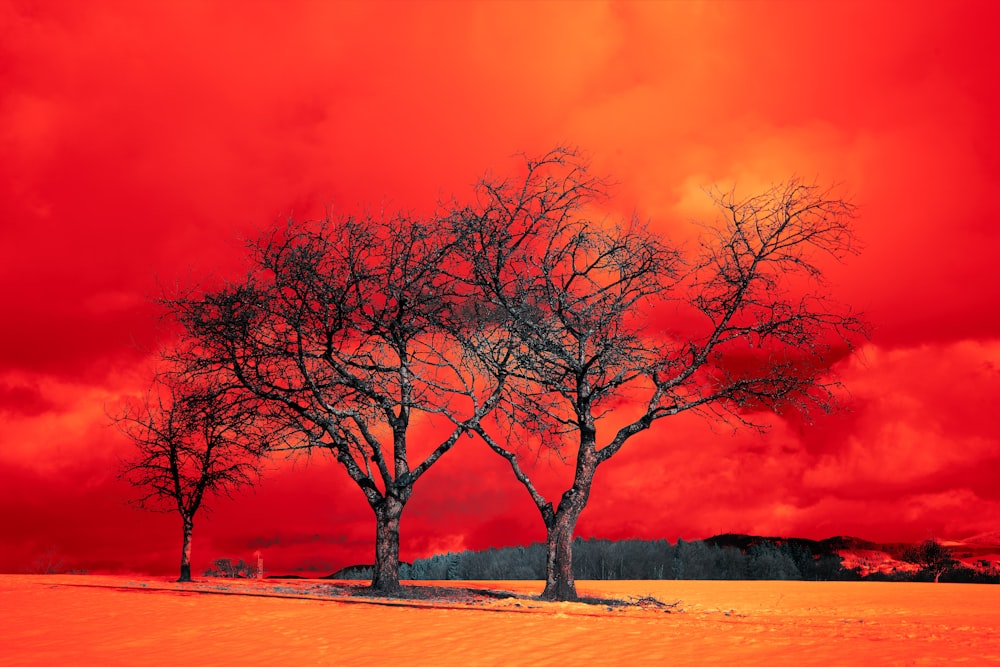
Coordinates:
80 620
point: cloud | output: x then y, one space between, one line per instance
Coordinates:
925 424
144 142
23 400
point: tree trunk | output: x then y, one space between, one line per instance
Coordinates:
559 582
385 575
186 551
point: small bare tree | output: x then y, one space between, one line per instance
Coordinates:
194 437
575 297
932 557
345 326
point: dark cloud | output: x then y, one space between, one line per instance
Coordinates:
23 400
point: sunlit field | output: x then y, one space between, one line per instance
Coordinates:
81 620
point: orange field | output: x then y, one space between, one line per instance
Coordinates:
105 620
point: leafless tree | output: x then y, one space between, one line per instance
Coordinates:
577 297
346 327
932 556
194 437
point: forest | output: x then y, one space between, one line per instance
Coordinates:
723 557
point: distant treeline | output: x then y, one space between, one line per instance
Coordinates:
756 558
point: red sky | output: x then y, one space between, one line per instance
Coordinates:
141 142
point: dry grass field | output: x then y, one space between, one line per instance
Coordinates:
121 620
